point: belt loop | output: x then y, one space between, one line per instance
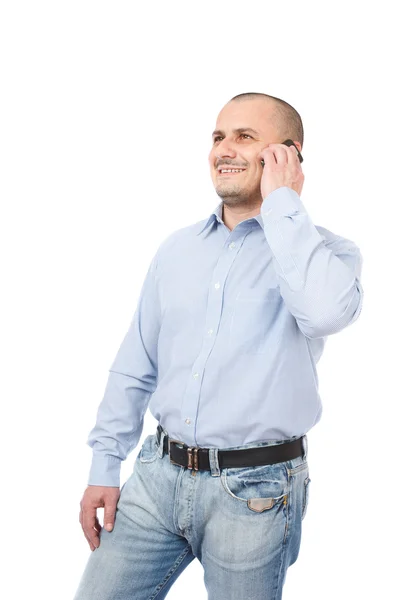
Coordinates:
160 450
214 464
305 446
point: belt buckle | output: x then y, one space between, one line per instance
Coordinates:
193 459
192 452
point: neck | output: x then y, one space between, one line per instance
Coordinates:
232 216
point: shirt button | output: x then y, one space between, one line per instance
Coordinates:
217 285
196 375
210 331
187 421
232 245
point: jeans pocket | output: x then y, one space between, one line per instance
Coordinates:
148 451
306 493
261 488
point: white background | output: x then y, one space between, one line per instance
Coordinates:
107 110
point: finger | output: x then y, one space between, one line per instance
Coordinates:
276 155
295 164
97 525
290 157
282 153
269 158
293 157
88 523
109 515
91 545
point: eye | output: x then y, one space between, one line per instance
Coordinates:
219 137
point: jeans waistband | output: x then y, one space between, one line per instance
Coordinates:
213 451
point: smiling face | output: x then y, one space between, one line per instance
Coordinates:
242 130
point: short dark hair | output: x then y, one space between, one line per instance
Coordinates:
286 118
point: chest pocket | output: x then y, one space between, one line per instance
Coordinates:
256 321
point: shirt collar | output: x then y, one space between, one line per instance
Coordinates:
216 216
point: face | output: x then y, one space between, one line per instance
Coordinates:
239 149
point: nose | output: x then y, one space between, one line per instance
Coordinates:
221 156
225 149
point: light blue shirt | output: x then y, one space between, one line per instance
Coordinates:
227 332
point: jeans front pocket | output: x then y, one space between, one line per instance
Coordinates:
259 489
148 451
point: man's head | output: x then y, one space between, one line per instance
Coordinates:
247 124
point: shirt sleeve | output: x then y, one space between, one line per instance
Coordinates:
319 272
131 382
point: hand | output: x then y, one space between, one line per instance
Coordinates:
282 168
97 496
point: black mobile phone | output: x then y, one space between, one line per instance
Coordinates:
288 143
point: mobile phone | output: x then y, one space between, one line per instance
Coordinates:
291 143
288 143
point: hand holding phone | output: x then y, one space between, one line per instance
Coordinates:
288 143
288 173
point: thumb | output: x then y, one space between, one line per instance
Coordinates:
109 517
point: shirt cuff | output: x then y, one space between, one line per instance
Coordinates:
290 234
282 202
105 470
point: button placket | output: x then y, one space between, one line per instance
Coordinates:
213 318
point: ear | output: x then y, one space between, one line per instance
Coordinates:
298 145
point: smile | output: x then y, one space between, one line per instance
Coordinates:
230 171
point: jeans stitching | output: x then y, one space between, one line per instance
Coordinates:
305 496
172 570
226 487
297 469
152 457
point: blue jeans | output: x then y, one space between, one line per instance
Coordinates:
243 524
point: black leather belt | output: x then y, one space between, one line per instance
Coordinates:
198 458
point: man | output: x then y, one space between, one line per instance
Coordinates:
231 321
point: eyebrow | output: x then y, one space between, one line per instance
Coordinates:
240 130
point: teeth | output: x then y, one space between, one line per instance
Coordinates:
231 170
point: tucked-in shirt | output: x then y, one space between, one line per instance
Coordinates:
227 332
